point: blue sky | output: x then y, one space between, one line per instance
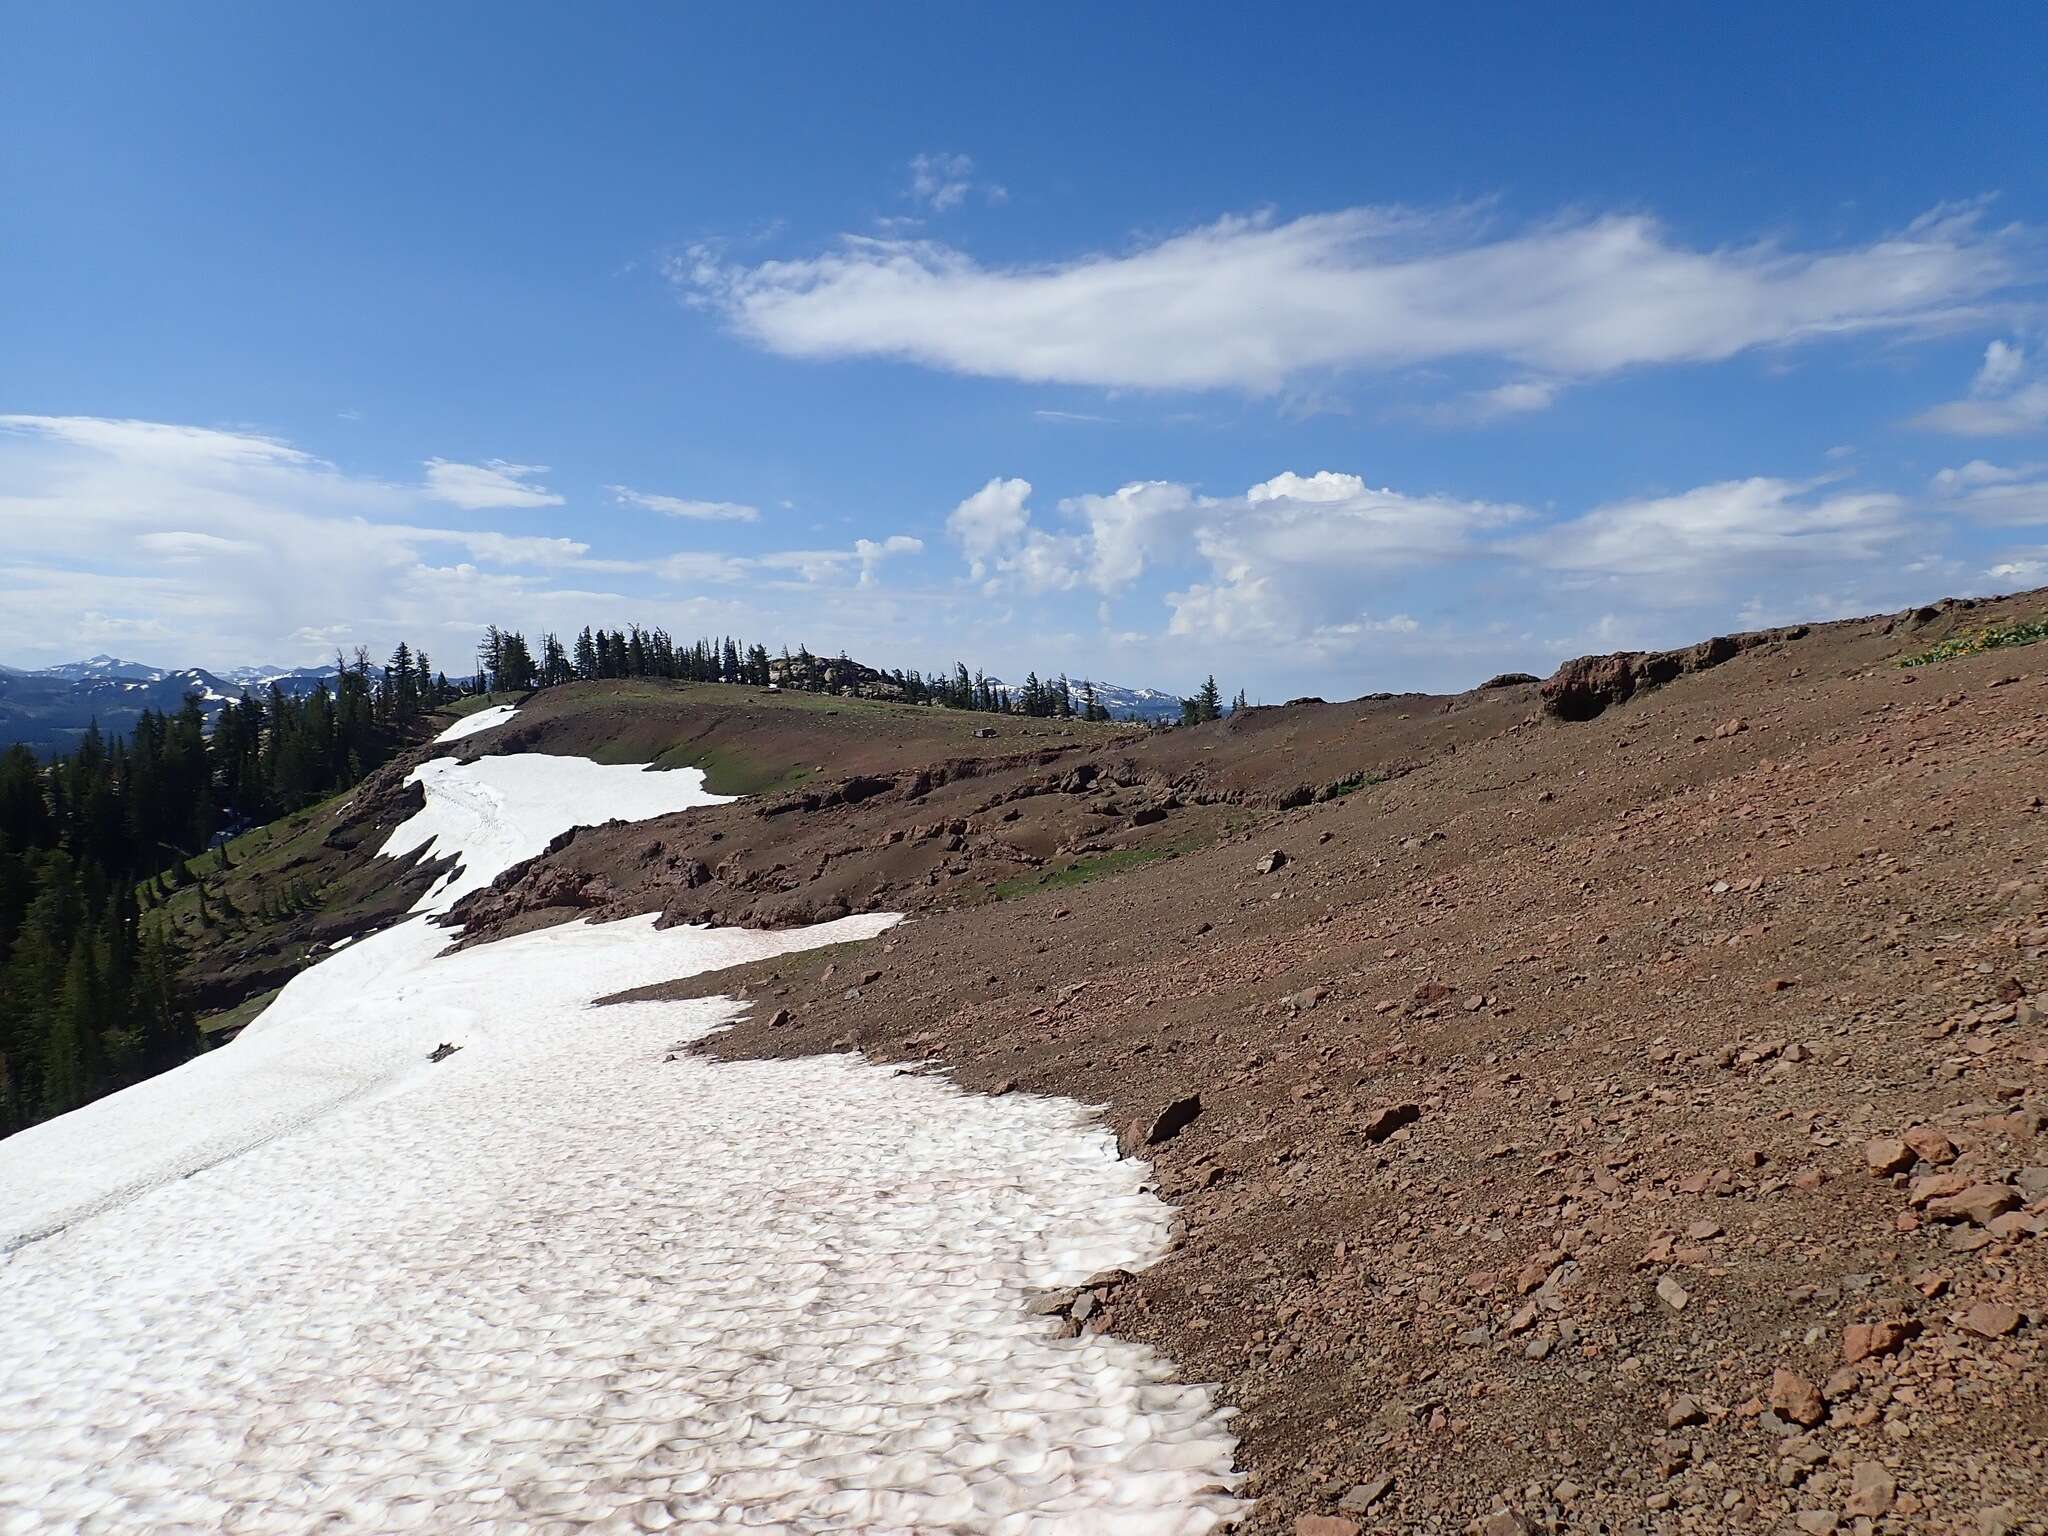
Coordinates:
1331 350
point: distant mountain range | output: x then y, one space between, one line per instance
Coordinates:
49 708
1123 703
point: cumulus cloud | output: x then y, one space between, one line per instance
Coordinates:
477 487
685 507
1252 303
1287 560
990 521
1301 559
2003 402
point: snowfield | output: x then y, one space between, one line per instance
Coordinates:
481 720
571 1277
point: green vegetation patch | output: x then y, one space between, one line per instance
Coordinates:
1350 785
1078 872
1995 637
217 1028
731 772
471 703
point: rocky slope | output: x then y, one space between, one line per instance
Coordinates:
1624 1123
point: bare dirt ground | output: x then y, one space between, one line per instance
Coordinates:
1622 1106
1631 1123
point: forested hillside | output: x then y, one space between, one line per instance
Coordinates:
92 844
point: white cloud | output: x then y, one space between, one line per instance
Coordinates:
872 552
475 487
942 181
514 549
1519 398
2001 368
183 545
1298 559
1130 527
2000 403
1979 472
2025 571
1759 524
990 520
2023 411
681 506
2012 494
1287 560
206 546
1252 303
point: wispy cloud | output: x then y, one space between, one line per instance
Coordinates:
495 483
1712 531
1252 303
685 507
944 181
2006 495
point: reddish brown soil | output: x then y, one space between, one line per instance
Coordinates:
1637 992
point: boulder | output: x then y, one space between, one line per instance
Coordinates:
1162 1127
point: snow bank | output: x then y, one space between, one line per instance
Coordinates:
570 1276
350 1026
499 811
479 720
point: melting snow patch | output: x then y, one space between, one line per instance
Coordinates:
569 1275
481 720
498 811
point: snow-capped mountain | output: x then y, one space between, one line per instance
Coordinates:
1146 704
49 708
1134 703
101 667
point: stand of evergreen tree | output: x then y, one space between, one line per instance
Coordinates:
93 842
507 663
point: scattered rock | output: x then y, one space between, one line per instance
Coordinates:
1978 1204
1324 1525
1383 1122
1277 859
1991 1319
1671 1293
1871 1490
1362 1496
442 1051
1930 1145
1864 1341
1795 1398
1888 1154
